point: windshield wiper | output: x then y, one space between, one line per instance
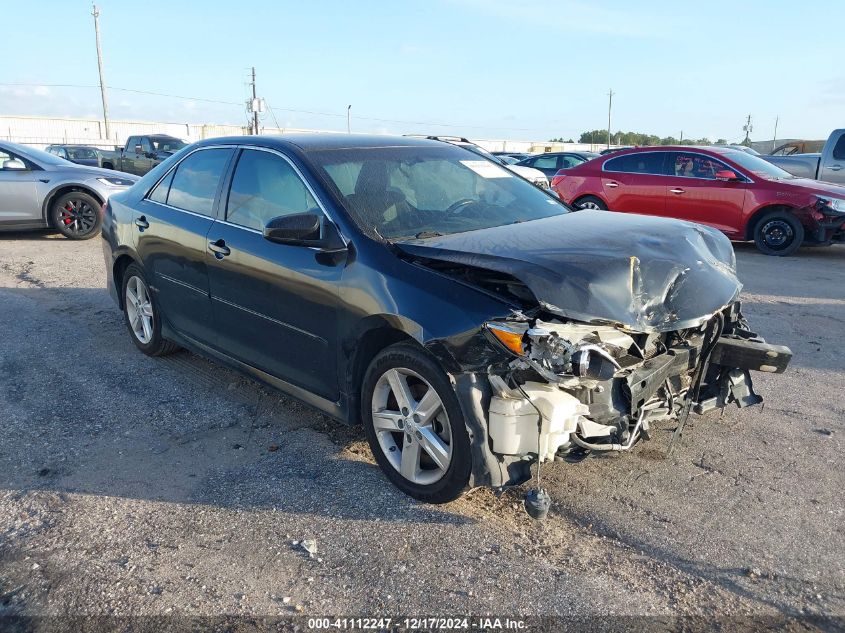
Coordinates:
426 234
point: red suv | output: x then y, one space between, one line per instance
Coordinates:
742 195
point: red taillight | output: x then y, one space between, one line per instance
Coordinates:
558 178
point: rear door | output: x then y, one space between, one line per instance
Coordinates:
275 305
634 183
693 192
18 193
171 226
832 167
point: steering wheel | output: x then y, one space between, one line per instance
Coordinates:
456 207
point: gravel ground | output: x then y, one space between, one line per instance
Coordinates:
139 486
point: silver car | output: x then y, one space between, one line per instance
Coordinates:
39 190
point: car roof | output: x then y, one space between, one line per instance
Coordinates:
316 142
672 148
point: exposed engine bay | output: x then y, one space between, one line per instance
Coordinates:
575 388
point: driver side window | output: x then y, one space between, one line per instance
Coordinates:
265 186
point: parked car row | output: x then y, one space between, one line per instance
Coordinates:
138 156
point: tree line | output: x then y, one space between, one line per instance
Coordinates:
599 137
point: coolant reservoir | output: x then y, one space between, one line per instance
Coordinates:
514 420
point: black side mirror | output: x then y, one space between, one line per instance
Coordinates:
299 229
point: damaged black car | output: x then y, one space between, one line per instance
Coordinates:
471 322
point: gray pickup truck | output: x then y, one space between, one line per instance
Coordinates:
829 165
142 153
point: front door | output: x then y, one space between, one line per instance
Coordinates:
634 183
18 194
275 305
171 227
693 193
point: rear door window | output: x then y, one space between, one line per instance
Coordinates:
638 163
194 185
159 193
570 161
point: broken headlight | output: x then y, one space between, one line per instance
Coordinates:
578 352
836 205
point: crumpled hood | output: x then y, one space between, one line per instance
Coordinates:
646 273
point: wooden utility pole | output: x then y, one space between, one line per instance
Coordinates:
254 105
96 13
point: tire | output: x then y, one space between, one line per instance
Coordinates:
146 331
778 233
437 429
590 202
77 215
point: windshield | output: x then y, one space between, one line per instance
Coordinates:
758 166
508 160
81 152
407 192
167 144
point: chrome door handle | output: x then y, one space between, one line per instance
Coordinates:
219 248
613 184
677 191
142 223
835 167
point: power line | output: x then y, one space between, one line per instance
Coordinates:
293 110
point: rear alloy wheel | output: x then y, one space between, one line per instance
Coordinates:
77 215
779 234
141 314
591 202
415 426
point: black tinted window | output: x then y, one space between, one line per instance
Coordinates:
839 149
644 163
196 180
159 194
264 187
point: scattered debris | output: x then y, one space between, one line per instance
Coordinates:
310 546
273 448
824 431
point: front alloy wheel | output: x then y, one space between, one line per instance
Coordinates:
778 233
77 215
414 424
411 426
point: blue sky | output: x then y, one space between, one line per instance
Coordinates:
517 69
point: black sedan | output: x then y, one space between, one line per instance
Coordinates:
467 319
